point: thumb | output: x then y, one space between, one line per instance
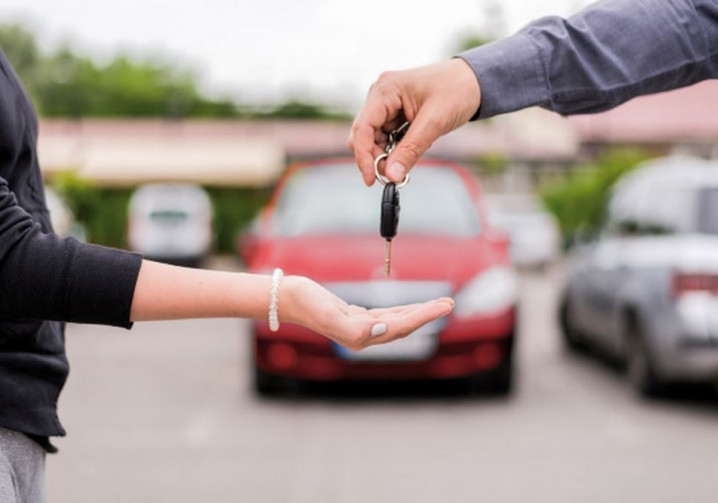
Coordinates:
419 137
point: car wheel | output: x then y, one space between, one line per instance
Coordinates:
267 384
640 366
571 337
499 381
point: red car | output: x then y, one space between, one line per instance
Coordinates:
322 222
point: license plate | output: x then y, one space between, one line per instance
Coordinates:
417 346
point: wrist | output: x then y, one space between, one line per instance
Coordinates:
290 293
467 86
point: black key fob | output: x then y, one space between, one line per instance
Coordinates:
389 211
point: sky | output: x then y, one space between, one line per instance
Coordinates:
265 51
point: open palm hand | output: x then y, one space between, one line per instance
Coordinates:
354 327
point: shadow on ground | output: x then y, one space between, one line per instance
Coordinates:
690 395
450 390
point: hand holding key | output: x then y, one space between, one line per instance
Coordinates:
436 99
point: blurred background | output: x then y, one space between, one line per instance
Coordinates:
581 365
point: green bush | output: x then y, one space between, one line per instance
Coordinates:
579 200
234 208
493 163
103 210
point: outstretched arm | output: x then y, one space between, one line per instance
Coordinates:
607 54
46 277
599 58
170 292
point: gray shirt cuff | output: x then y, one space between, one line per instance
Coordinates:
510 74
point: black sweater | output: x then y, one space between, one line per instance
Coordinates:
44 279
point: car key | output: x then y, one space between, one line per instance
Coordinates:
389 223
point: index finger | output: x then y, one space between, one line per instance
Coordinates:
361 140
370 120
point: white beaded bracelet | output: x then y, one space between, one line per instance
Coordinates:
274 300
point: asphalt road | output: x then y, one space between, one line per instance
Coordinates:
164 413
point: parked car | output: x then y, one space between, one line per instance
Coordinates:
323 223
171 223
533 231
646 290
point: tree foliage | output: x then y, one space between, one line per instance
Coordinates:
294 109
579 200
470 41
65 84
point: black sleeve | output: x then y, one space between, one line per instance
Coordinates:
43 276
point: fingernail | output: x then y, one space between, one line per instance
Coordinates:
378 329
396 172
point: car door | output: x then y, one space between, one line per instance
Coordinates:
598 278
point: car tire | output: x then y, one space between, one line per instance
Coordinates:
571 337
498 381
501 380
639 363
267 384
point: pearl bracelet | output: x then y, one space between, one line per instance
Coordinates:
274 300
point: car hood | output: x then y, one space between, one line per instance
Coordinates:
687 253
361 258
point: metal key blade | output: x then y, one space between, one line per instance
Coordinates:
387 258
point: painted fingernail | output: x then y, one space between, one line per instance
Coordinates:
396 171
378 329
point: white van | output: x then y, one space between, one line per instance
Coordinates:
171 223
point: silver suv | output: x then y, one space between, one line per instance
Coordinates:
171 223
646 290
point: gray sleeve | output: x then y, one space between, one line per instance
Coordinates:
43 276
601 57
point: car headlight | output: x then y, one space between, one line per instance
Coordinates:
490 291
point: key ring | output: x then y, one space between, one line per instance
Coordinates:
384 180
394 138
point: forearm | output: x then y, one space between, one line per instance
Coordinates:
165 292
608 53
168 292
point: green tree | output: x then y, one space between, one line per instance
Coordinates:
20 48
65 84
76 87
579 200
470 41
295 109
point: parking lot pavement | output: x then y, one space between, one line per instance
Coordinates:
164 413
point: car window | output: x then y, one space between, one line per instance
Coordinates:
655 209
331 199
671 210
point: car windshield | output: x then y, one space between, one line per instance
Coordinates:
331 199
